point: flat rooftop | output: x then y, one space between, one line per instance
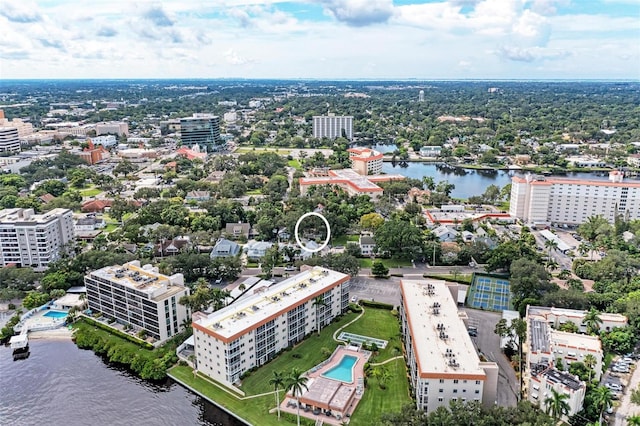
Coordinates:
27 216
566 379
352 178
143 280
549 314
259 308
539 331
440 338
570 341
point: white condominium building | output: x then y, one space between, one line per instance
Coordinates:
140 297
9 139
443 363
35 240
562 382
365 161
332 126
118 128
569 201
253 330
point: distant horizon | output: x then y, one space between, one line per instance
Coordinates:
363 79
378 40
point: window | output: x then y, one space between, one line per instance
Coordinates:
441 390
440 399
455 381
441 380
477 382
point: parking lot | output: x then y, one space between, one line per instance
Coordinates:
379 290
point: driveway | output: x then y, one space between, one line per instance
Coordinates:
626 407
488 343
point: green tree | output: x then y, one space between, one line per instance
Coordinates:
378 269
371 221
592 321
529 280
556 404
297 384
33 299
602 399
399 238
590 361
633 420
278 382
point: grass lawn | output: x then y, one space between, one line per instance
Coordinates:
255 410
381 324
310 352
376 401
254 192
295 164
281 151
389 263
342 240
111 227
91 192
451 277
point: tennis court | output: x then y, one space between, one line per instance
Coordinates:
490 293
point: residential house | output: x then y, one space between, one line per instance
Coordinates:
198 196
367 245
172 247
257 249
417 195
445 234
46 198
237 230
96 206
88 224
225 248
467 236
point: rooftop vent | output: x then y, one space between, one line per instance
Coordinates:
217 326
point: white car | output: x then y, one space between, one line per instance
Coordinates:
354 299
614 386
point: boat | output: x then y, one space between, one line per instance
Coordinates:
20 346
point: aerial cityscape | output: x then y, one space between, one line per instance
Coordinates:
325 212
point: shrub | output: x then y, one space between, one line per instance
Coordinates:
376 305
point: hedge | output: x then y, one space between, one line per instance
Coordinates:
376 305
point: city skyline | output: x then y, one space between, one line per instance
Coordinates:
322 39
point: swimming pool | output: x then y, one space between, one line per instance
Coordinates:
342 372
55 314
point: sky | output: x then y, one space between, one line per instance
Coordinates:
321 39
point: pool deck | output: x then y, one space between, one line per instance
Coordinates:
325 393
38 321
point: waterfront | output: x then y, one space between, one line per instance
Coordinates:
469 182
61 384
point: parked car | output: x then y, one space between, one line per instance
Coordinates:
473 332
620 369
290 268
354 299
614 386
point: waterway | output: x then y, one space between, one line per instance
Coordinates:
60 384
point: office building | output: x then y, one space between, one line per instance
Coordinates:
421 96
117 128
254 329
105 141
202 130
365 161
29 239
24 127
352 182
443 363
140 297
332 126
9 139
562 382
537 199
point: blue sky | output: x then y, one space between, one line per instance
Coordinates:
345 39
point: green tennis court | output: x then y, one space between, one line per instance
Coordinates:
489 292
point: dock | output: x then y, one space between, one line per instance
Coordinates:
20 346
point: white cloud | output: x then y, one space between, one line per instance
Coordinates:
233 58
531 54
359 13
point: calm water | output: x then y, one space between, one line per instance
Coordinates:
467 182
60 384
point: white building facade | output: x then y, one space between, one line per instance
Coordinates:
332 126
29 239
541 384
568 201
443 363
254 329
139 296
9 139
118 128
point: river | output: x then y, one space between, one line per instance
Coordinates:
60 384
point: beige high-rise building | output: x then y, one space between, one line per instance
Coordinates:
332 126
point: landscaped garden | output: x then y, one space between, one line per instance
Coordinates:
378 323
389 263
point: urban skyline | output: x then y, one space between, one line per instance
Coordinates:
323 39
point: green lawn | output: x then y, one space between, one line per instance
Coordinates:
389 263
376 401
91 192
244 150
111 227
254 192
375 323
342 240
452 277
295 164
381 324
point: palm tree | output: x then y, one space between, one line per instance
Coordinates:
277 381
590 361
602 399
550 245
556 404
381 373
592 321
297 384
318 302
83 298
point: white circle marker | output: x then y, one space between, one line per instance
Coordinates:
326 241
